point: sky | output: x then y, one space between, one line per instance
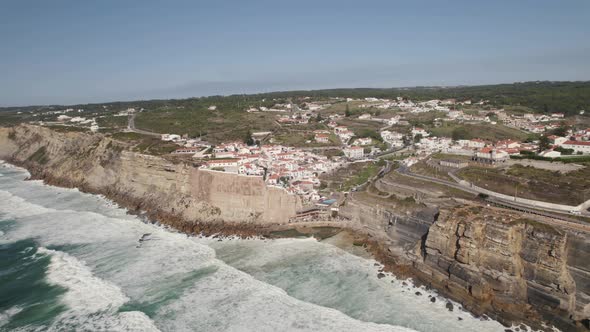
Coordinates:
68 52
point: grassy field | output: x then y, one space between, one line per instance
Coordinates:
344 179
480 130
423 169
435 188
571 188
145 144
110 121
359 125
218 125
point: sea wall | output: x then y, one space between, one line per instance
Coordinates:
99 164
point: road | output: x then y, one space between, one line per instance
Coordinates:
131 127
493 200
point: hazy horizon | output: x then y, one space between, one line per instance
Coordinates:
68 52
285 91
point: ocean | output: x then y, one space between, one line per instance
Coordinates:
72 261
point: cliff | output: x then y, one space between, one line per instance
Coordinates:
512 267
177 192
494 261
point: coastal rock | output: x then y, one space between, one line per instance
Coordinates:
494 261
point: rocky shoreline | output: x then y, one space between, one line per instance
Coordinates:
493 262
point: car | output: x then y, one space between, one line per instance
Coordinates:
576 213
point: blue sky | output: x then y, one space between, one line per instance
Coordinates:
96 51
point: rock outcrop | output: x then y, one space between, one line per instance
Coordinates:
496 262
177 191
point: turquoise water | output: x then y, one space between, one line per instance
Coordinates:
73 261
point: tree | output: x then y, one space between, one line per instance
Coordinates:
347 112
543 143
248 138
560 131
460 133
417 138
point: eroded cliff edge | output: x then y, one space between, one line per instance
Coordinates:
176 191
498 262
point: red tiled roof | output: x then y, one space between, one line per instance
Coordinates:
577 143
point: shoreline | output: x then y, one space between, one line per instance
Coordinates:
359 238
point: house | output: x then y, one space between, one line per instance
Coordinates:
225 154
363 141
273 179
365 116
558 115
393 120
354 152
507 144
170 137
222 163
340 129
550 154
557 140
322 138
419 131
578 146
490 156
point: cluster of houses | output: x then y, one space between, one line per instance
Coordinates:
294 169
443 105
578 142
492 153
78 120
534 123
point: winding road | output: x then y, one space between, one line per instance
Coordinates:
131 127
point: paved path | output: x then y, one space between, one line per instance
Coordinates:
494 200
131 127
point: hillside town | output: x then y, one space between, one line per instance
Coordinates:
298 169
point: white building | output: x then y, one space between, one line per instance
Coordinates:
362 141
170 137
322 138
577 146
230 165
419 131
354 152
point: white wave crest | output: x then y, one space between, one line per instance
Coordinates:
7 314
92 303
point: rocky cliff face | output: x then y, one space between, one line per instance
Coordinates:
177 191
494 261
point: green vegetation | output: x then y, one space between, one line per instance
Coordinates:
129 136
68 129
478 130
367 172
346 178
110 121
144 143
564 159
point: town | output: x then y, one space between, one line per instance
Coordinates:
298 169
